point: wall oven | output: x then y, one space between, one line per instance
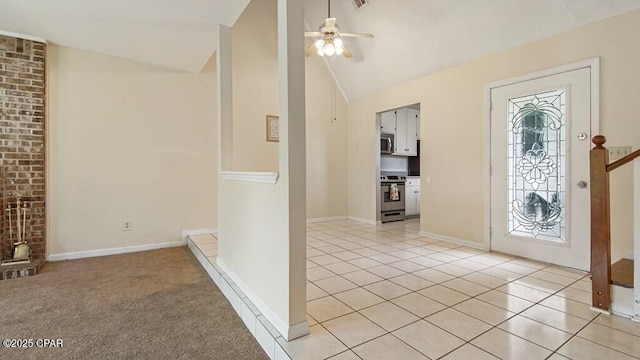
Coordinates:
392 207
386 143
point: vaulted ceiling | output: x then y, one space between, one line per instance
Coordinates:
413 38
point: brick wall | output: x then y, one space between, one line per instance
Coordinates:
22 128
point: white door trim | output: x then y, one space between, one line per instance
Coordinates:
593 64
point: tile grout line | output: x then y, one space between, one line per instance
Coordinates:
534 304
373 239
471 297
539 302
419 318
573 336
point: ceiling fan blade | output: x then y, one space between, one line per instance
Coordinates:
309 50
346 52
312 34
346 34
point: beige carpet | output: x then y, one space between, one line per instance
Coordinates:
151 305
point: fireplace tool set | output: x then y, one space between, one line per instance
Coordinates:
21 250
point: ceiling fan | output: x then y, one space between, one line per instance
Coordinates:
329 36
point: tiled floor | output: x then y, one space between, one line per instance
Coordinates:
384 292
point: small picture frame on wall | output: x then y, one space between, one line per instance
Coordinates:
273 128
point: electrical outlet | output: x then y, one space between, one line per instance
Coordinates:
617 152
126 225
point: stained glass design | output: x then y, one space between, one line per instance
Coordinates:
536 166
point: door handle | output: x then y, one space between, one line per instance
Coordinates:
389 142
582 184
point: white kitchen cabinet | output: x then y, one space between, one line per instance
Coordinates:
388 122
403 124
412 197
406 132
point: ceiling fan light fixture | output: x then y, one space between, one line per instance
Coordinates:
329 46
328 41
329 49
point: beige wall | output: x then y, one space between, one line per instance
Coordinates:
326 143
452 113
255 86
127 141
254 247
137 129
255 91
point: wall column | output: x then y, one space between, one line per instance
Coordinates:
292 153
262 216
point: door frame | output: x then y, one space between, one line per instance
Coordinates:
593 64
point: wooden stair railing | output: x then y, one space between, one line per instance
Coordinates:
601 221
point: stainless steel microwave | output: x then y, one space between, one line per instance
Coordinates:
386 143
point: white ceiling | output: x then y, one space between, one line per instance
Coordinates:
413 38
178 34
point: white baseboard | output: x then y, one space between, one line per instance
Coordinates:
622 301
605 312
113 251
298 330
288 332
453 240
365 221
324 219
621 310
186 233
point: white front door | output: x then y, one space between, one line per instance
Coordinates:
540 142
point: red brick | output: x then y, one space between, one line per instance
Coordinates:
22 125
